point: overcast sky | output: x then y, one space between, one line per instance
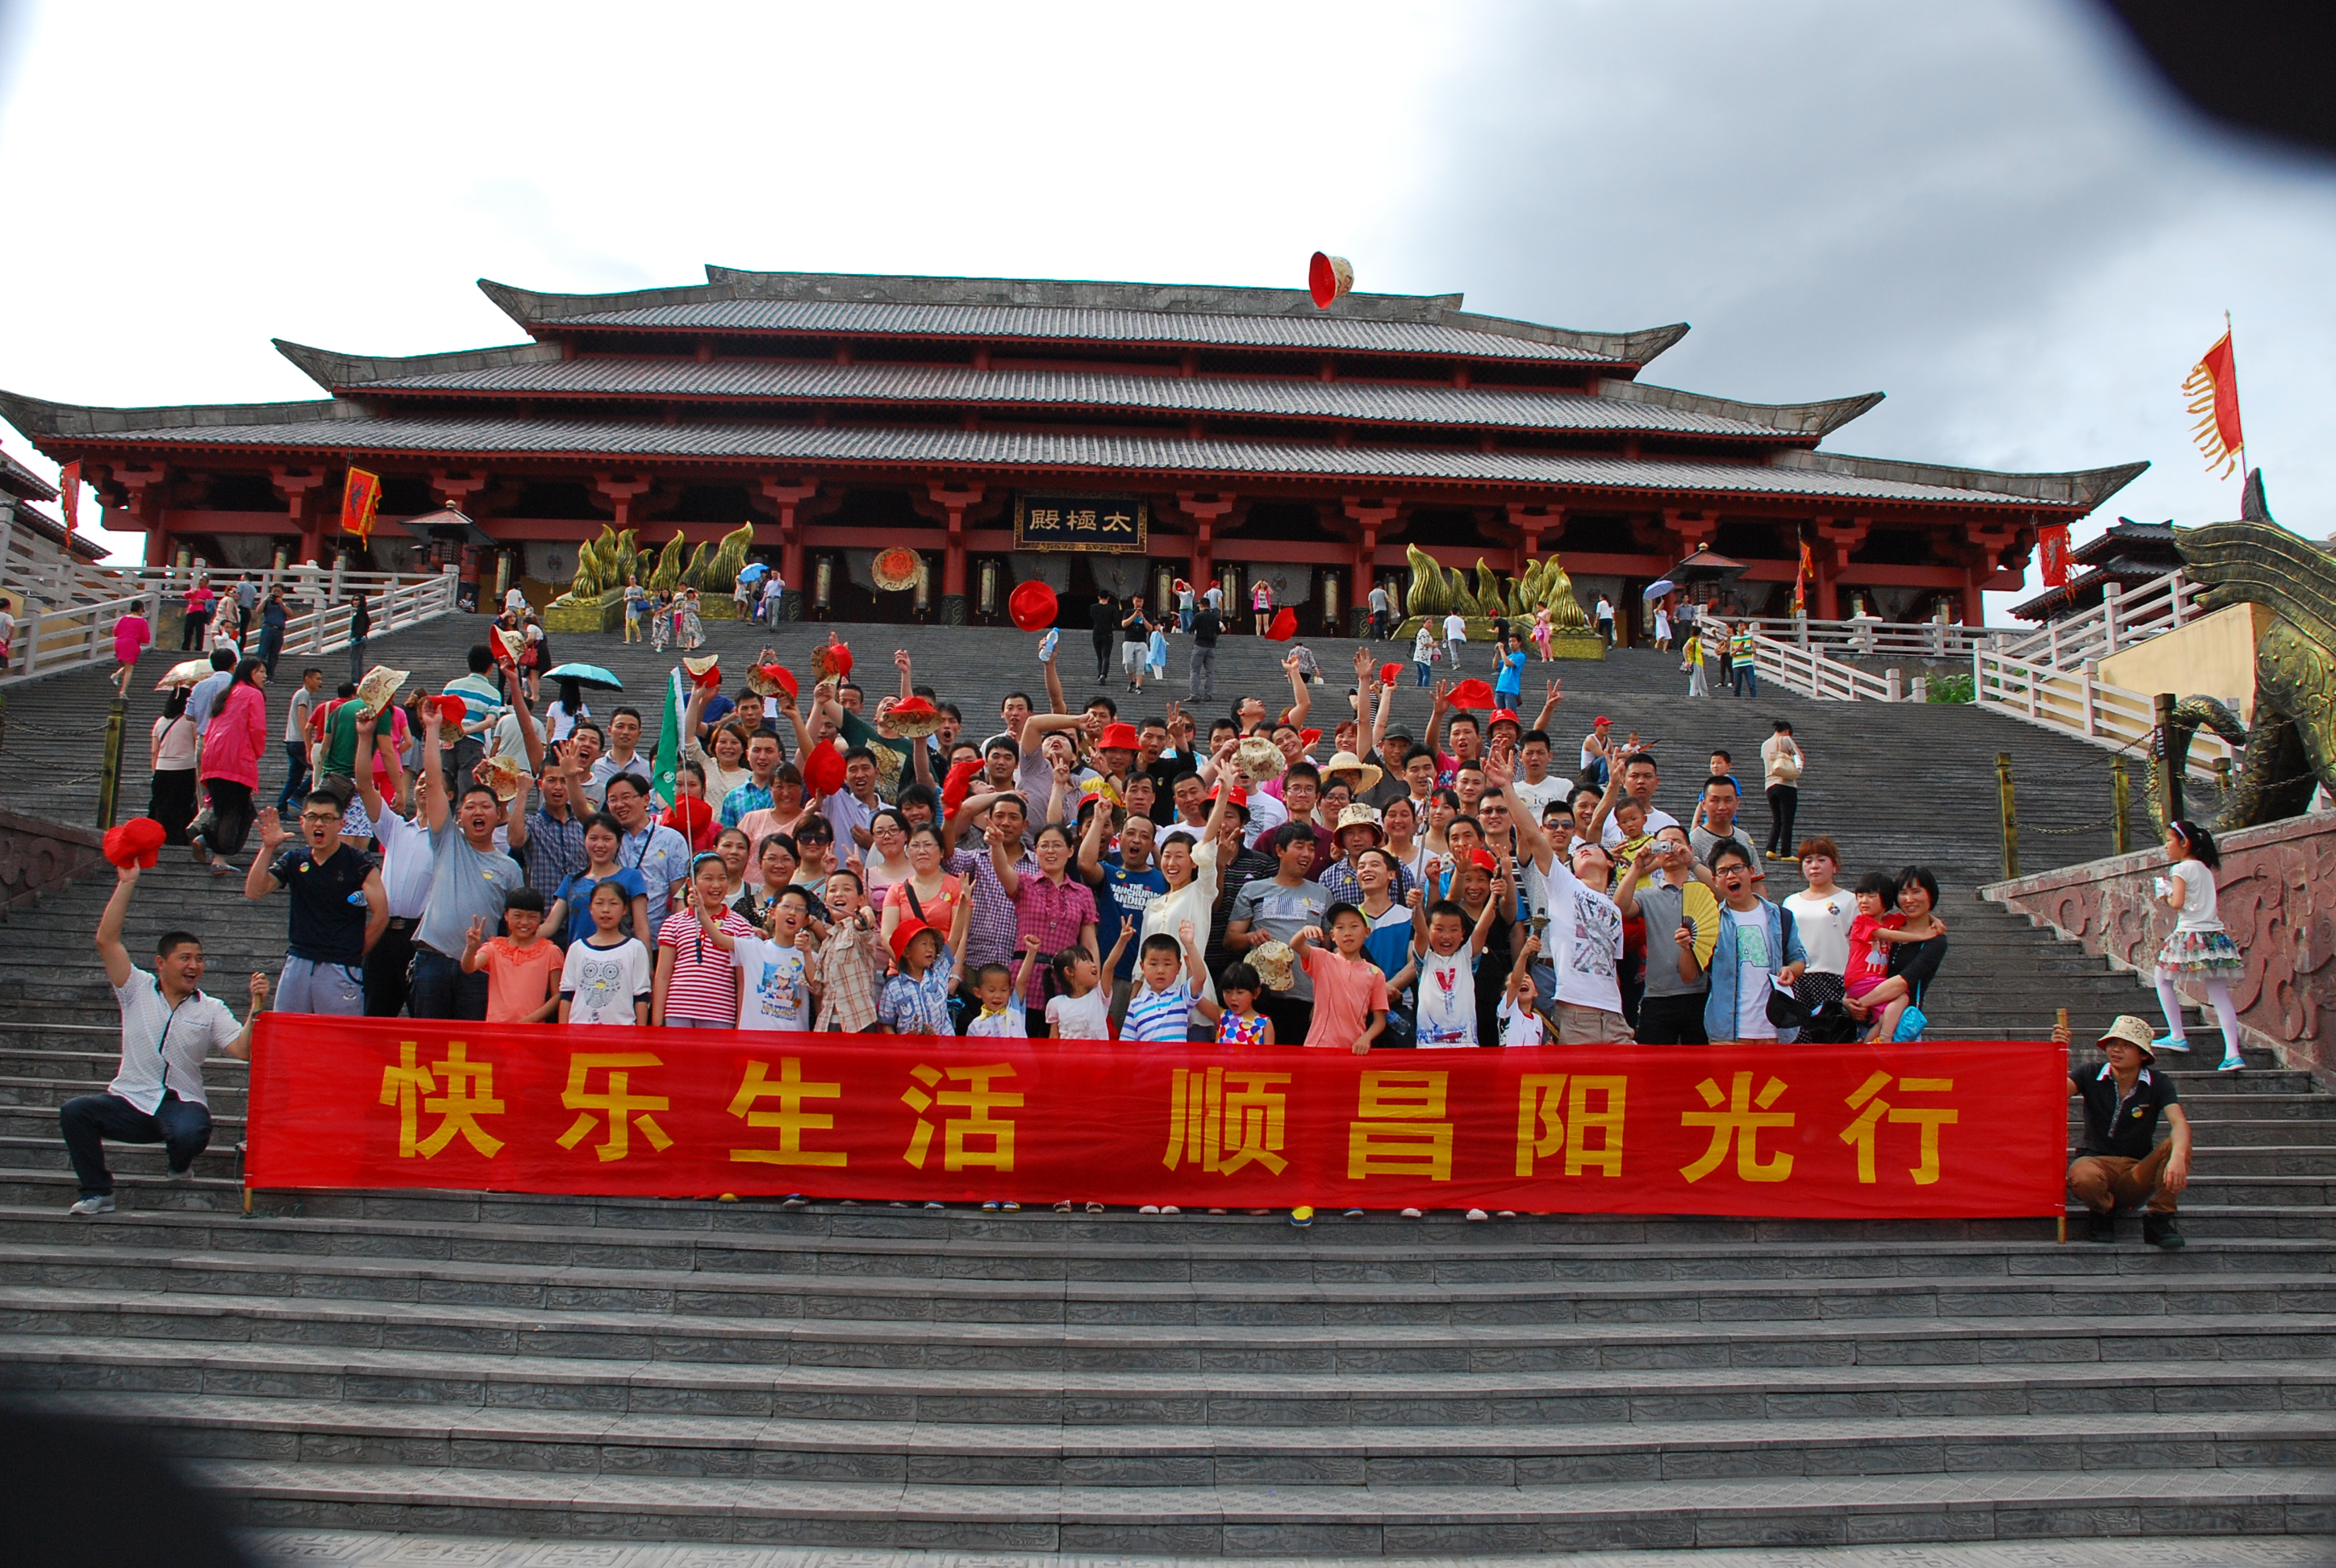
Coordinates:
1987 210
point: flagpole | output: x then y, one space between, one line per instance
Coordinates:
2230 334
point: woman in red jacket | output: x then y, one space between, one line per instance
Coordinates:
232 747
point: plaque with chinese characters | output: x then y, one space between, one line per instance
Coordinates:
1106 524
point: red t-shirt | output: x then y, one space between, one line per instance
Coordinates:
1869 957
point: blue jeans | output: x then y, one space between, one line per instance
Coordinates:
1426 670
296 775
1747 674
181 1126
438 988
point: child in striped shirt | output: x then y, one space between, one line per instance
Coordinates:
1168 968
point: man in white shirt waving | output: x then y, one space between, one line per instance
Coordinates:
168 1026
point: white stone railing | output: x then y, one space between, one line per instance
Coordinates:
2078 703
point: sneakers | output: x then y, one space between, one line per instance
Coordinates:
1354 1214
2231 1064
179 1178
1411 1213
932 1205
1302 1215
990 1207
2168 1043
794 1201
1148 1209
2102 1229
97 1203
1170 1209
2158 1231
1064 1207
1478 1214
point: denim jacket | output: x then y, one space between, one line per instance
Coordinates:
1719 1009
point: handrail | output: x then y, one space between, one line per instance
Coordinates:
51 639
2123 618
1868 637
1810 672
2078 703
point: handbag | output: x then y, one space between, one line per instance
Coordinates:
1911 1024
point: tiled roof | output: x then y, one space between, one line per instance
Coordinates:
18 480
1255 397
337 428
1083 324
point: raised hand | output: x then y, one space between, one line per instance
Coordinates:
1184 934
271 830
1554 689
258 991
900 660
477 934
1127 928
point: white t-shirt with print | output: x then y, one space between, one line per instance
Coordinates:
1086 1017
1519 1026
602 983
1447 1000
1748 929
774 990
1583 941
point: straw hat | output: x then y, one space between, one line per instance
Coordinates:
915 717
506 776
705 671
1273 962
1347 762
2134 1032
769 680
186 672
832 660
379 687
1260 758
1360 815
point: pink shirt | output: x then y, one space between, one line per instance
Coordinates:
1347 991
131 635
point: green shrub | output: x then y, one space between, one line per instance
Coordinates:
1950 688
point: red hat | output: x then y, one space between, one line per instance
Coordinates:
904 934
453 710
693 820
1285 625
823 770
1119 737
1483 857
705 672
501 648
1387 672
832 660
1471 694
958 784
136 842
915 717
1032 606
1504 716
776 677
1307 737
1601 719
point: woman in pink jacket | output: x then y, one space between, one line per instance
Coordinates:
232 747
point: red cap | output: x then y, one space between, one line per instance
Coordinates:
1507 715
1031 606
904 934
780 675
1119 737
1602 718
138 842
1308 736
1387 672
693 819
832 660
1484 858
1284 627
453 710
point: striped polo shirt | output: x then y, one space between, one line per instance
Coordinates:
704 983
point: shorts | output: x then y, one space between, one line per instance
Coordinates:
1580 1025
1134 655
354 822
311 985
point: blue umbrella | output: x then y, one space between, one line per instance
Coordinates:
754 571
1657 589
590 675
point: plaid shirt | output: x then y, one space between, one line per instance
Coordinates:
1055 913
554 851
918 1007
848 968
1339 881
989 929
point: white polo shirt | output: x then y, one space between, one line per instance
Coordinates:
163 1046
407 865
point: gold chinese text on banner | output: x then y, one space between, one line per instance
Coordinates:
1105 524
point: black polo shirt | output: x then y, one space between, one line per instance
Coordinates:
2124 1129
328 903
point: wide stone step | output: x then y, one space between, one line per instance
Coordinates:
1261 1520
2131 1389
219 1161
302 1432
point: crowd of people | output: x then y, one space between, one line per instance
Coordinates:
1075 874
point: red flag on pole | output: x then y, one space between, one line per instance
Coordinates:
2052 550
359 500
2214 388
69 493
1801 574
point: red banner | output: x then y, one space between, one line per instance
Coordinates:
2052 550
359 497
69 493
1931 1131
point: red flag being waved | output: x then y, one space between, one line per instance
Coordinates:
2214 388
359 500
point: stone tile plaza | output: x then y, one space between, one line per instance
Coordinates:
847 918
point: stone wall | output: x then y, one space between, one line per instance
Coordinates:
2276 892
38 857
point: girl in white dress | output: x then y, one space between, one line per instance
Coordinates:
2199 948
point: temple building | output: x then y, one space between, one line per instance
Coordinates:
36 548
2131 555
1087 433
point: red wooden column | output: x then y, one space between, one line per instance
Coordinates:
1531 523
623 493
1836 536
787 498
1369 517
145 508
954 500
1208 514
294 485
1992 544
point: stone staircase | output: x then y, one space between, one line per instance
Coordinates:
865 1377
